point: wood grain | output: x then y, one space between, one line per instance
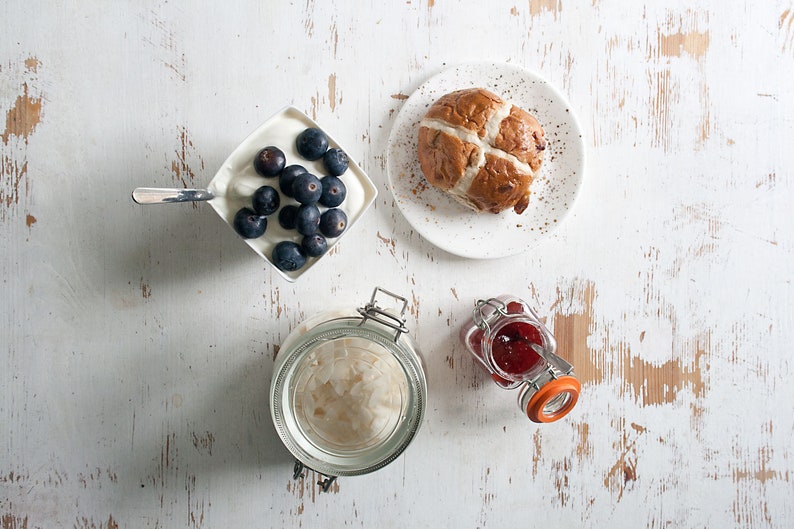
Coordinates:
138 343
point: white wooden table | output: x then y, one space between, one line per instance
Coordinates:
137 343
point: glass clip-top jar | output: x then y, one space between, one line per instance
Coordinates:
509 341
349 390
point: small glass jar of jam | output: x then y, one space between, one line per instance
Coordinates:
508 340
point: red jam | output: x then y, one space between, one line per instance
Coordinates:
511 349
514 307
475 340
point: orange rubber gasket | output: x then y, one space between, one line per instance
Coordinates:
565 384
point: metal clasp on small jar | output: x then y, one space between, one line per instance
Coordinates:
552 394
484 322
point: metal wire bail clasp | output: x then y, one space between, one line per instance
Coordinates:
371 311
553 392
483 321
325 482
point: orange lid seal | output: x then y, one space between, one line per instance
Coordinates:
554 399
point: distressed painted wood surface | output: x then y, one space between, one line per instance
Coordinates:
138 343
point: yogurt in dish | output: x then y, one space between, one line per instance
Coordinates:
236 180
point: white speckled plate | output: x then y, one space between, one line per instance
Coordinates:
457 229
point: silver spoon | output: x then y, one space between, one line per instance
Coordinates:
161 195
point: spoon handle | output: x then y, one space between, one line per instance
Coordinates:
157 195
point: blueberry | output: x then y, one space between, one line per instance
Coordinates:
287 177
315 245
333 222
306 188
307 219
334 191
266 200
269 161
288 256
249 224
311 144
287 217
335 161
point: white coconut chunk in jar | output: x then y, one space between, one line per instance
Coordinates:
351 395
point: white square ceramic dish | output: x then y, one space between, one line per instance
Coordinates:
235 182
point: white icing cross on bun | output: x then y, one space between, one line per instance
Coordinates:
482 150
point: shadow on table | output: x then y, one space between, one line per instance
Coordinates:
181 243
191 434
